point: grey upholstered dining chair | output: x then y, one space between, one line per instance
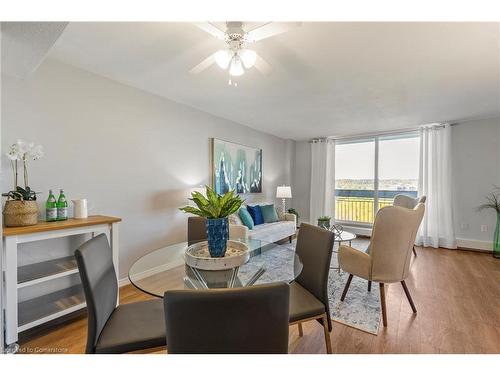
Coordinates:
388 261
402 200
251 320
309 292
111 328
197 229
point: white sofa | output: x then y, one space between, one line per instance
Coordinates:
269 232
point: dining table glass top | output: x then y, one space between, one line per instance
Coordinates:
165 269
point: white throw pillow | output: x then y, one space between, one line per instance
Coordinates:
234 219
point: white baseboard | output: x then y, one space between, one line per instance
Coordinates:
474 244
123 282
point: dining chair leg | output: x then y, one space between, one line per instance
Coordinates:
369 286
407 292
301 332
414 251
382 302
346 288
328 339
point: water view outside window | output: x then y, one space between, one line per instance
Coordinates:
359 191
398 160
354 181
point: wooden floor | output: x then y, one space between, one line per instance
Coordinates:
457 295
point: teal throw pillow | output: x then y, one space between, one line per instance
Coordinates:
246 218
269 213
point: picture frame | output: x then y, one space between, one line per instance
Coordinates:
235 167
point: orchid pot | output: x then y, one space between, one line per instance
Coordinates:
21 208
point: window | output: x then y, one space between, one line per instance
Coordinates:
369 172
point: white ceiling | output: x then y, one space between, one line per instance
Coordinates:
27 44
327 78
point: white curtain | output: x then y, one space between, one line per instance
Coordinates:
437 228
322 179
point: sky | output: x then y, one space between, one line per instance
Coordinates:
398 159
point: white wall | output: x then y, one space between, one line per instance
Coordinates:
476 168
130 153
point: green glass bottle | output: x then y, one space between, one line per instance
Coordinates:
62 206
51 207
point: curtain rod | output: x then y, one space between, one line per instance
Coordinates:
373 134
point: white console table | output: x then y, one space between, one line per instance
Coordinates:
27 314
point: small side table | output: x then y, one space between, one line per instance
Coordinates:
344 237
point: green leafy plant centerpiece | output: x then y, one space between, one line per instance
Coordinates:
324 221
493 203
21 208
216 209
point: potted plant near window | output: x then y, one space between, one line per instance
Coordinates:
493 202
216 209
294 211
21 208
324 221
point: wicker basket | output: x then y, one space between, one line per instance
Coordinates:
20 213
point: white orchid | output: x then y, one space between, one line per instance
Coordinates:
23 151
36 152
13 153
22 146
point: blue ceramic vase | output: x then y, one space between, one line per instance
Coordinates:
217 235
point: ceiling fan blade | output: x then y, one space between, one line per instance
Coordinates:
211 29
262 65
203 65
270 29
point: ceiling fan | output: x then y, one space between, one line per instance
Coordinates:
236 57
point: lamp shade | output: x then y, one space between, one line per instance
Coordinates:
283 192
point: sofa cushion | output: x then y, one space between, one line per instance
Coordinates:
246 218
269 213
256 214
234 219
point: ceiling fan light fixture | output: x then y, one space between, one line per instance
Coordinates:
236 68
248 57
223 58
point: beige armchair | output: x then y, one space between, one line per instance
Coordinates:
393 236
402 200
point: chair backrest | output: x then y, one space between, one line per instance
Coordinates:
252 320
406 201
197 229
95 263
314 248
393 236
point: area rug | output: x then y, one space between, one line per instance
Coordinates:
360 309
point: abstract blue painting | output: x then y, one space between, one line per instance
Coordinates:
236 167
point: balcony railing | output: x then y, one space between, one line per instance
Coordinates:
358 205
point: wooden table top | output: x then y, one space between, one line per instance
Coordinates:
45 226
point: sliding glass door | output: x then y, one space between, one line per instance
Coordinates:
355 180
369 172
398 158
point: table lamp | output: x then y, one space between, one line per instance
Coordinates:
283 192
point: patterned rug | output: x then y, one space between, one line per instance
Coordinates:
360 309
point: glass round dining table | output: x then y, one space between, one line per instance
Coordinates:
165 269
